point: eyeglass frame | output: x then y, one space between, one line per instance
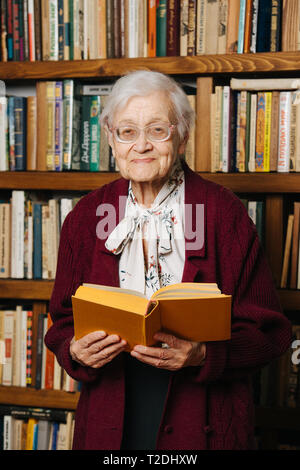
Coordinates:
170 127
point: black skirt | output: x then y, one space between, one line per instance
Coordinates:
146 388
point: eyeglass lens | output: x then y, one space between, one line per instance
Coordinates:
156 132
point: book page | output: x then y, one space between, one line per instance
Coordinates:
115 289
185 289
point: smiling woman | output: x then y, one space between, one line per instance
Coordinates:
177 394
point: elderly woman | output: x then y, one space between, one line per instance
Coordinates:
176 394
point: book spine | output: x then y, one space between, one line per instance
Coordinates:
8 340
31 133
251 164
267 139
173 28
3 134
225 129
58 125
191 47
260 131
274 131
5 235
222 26
53 31
31 31
11 133
184 19
37 30
20 113
66 30
152 28
45 29
23 30
61 29
242 132
102 32
284 131
161 28
50 125
240 48
3 31
248 24
85 134
37 240
39 350
71 29
68 96
254 26
275 40
16 31
95 104
76 131
264 26
110 29
9 36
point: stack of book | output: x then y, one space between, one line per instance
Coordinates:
255 126
91 29
29 235
56 129
25 361
35 428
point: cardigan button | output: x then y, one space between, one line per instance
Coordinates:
168 429
207 429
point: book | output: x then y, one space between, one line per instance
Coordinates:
284 131
192 311
295 246
287 251
261 84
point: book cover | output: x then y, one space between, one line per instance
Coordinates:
3 134
58 126
17 238
8 340
200 27
66 30
61 29
260 131
252 138
254 20
41 145
50 123
76 128
263 84
31 141
241 30
11 133
161 28
267 139
275 39
9 35
20 113
233 26
263 42
173 28
37 30
45 29
5 236
31 31
274 131
3 31
226 129
284 131
136 319
85 134
68 97
212 10
222 26
151 28
37 240
94 160
184 20
248 26
16 30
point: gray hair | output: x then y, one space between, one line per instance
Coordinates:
142 83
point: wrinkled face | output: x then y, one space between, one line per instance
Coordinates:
145 160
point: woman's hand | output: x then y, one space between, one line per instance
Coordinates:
179 353
96 349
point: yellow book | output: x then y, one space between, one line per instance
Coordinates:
192 311
31 427
267 141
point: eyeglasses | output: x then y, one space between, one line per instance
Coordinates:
129 134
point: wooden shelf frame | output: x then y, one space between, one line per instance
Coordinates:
264 183
265 62
21 396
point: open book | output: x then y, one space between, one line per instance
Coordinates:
193 311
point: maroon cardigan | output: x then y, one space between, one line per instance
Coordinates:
208 407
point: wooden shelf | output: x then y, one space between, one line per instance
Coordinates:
21 396
25 289
87 181
206 64
290 299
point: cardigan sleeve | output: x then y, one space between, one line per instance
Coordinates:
60 334
260 331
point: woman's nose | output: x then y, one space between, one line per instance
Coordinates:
142 143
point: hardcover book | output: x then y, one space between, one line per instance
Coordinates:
192 311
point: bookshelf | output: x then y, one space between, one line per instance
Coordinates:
272 185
